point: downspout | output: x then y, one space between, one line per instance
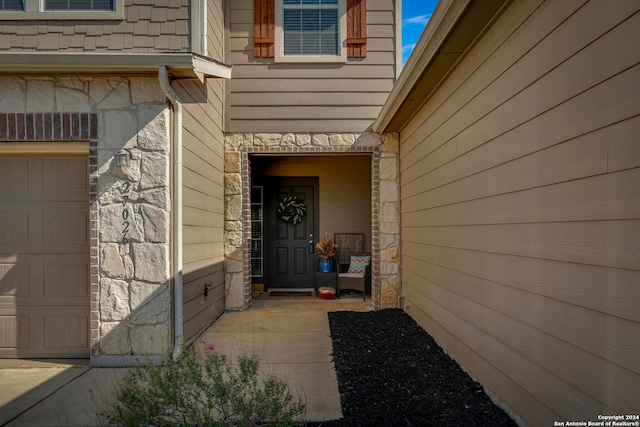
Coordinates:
176 148
203 45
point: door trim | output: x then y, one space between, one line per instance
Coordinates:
246 153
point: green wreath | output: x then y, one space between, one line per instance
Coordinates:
291 209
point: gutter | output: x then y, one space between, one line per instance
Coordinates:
444 17
176 147
453 30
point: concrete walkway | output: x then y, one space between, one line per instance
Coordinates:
291 338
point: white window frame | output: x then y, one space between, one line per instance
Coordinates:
34 10
342 35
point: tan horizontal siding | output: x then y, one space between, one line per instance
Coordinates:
297 97
304 112
373 58
374 44
245 30
215 30
540 74
489 375
592 331
147 27
520 212
304 72
303 125
602 197
306 99
487 338
283 86
604 243
195 318
203 203
607 290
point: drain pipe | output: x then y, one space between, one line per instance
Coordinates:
203 23
163 76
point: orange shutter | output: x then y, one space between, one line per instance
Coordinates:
263 29
357 28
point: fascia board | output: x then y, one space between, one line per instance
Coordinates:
441 23
181 65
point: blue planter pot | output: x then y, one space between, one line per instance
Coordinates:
326 265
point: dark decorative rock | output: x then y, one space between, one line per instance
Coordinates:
392 373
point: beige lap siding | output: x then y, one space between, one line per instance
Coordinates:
266 96
520 210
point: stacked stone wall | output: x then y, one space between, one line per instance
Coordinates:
385 202
129 206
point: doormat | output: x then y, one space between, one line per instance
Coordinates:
287 294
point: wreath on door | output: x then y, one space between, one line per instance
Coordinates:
291 209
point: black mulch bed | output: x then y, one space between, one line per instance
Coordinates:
392 373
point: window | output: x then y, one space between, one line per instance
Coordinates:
310 30
61 9
78 5
310 27
11 5
256 232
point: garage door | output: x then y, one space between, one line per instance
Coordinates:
44 256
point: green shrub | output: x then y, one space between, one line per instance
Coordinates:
203 391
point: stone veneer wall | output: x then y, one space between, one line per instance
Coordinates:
385 203
129 270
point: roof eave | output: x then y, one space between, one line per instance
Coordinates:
180 65
419 59
453 29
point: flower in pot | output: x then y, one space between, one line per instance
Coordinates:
326 251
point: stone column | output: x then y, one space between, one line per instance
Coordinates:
134 212
389 222
238 283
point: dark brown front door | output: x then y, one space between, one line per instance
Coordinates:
291 259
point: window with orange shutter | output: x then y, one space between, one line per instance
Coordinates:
310 30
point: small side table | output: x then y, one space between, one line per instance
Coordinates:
326 279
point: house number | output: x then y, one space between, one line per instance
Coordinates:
125 191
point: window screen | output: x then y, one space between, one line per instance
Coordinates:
79 4
310 27
11 5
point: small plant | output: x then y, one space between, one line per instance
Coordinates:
326 249
203 391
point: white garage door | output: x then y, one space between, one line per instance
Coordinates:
44 256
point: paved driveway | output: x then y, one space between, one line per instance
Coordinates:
291 337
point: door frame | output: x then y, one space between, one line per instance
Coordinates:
246 153
269 184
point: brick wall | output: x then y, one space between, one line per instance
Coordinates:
48 126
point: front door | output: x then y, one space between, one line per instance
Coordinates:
292 222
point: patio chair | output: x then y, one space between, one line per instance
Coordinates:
353 263
355 278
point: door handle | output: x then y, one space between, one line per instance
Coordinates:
310 243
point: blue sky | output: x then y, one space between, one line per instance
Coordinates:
415 15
